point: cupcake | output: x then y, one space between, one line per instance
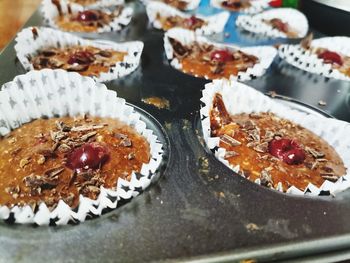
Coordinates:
183 5
279 22
95 3
243 6
329 56
39 48
195 55
273 145
66 152
76 18
165 17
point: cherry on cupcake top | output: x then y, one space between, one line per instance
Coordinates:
191 21
87 16
279 24
331 57
81 57
221 56
88 156
287 150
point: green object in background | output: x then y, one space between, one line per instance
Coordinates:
290 3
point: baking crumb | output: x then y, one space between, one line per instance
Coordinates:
252 227
272 93
322 103
160 103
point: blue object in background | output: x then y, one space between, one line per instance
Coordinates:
234 35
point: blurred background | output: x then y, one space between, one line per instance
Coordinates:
13 15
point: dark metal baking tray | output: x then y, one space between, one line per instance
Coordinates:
197 209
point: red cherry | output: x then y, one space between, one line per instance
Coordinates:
232 3
221 56
191 21
88 156
331 57
289 151
88 15
279 24
81 57
275 3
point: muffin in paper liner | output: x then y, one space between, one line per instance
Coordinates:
98 3
306 60
240 98
191 4
61 93
256 6
50 13
215 23
28 44
266 54
255 23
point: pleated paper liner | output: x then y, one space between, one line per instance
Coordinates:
191 4
255 23
97 3
69 94
265 54
240 98
215 23
50 13
28 44
256 6
306 60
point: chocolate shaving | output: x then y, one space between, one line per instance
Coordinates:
229 140
329 176
62 126
306 42
54 171
316 154
87 127
262 148
120 136
179 50
229 154
126 142
105 53
265 178
35 33
131 156
48 52
85 137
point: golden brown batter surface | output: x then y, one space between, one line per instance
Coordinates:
87 60
86 21
204 60
36 159
248 138
191 23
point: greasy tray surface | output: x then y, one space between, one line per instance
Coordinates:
194 209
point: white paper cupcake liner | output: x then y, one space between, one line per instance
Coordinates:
254 23
215 23
56 92
28 45
50 13
256 6
99 3
265 54
192 4
240 98
308 61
